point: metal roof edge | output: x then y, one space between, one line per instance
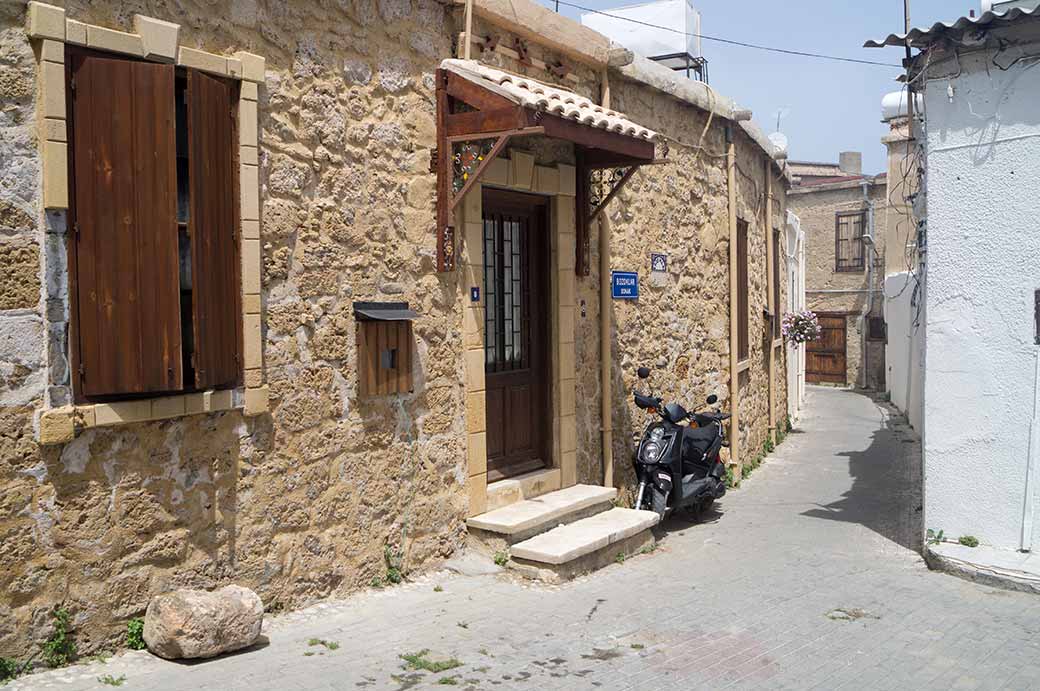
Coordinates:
924 36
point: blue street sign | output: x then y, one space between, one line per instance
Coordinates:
474 294
624 285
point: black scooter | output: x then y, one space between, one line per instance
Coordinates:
677 465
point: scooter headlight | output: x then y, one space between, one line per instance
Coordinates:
651 452
657 434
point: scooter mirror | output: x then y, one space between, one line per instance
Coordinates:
643 372
713 399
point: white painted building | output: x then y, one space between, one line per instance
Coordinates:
795 250
979 211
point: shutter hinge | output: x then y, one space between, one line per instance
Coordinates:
82 371
72 84
75 229
433 160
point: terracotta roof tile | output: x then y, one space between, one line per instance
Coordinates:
533 94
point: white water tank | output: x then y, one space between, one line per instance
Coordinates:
647 41
893 105
1001 6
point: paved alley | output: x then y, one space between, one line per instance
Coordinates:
806 577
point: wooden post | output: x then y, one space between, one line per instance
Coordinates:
734 319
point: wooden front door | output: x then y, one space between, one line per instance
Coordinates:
516 333
825 358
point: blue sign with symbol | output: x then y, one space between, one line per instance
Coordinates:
624 285
474 294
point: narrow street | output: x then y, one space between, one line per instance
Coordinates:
806 577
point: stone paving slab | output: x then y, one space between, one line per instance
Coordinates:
746 599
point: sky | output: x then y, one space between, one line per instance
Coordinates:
826 107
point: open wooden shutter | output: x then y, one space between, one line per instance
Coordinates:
125 223
743 339
213 227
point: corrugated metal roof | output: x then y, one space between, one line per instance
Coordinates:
923 37
551 99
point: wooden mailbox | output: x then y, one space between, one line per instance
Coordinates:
384 347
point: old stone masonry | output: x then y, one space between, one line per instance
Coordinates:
805 578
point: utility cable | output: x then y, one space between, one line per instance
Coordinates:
731 42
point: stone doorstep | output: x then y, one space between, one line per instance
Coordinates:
995 567
602 557
569 542
526 486
529 517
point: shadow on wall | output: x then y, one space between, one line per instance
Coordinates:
886 490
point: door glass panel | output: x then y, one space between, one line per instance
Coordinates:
505 288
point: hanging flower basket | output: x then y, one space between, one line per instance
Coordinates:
801 327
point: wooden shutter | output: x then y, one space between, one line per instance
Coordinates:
124 211
777 310
743 341
213 228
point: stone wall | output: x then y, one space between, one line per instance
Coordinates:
304 502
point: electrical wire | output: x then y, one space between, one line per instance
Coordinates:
731 42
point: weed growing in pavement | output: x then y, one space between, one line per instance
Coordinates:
8 669
438 589
448 681
637 646
620 558
501 557
330 645
767 446
968 540
135 634
59 650
377 582
101 656
649 549
394 572
109 680
484 652
420 661
933 538
462 625
731 480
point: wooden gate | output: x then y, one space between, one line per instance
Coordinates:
825 358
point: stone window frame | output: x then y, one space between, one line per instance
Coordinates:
158 41
519 173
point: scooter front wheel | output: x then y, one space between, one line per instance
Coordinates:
659 502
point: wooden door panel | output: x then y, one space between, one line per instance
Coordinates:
825 358
516 334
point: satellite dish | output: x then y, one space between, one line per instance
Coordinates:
779 140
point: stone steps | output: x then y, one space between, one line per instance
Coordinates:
525 519
585 545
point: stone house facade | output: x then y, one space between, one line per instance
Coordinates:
837 205
293 477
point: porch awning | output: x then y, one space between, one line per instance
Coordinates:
514 102
476 102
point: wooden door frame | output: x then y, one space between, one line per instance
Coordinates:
844 316
537 206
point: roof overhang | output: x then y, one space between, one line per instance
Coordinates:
510 102
478 103
957 31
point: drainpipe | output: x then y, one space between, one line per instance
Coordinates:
771 273
734 377
868 242
1026 543
606 395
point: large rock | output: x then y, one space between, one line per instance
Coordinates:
195 623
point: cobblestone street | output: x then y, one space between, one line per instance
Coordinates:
806 577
